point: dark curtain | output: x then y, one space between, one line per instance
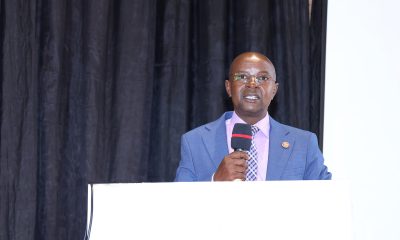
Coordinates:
101 91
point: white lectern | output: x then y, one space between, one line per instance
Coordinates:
279 210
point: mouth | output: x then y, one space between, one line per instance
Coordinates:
251 97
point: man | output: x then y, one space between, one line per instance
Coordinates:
278 152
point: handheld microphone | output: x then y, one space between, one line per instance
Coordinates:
241 137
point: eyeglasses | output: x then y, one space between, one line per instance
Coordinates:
245 78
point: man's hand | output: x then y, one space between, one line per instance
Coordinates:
232 167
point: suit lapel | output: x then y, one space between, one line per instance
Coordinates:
278 155
214 139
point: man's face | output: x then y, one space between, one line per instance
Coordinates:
251 99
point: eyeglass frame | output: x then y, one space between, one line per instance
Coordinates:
250 76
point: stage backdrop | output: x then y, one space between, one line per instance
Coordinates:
101 91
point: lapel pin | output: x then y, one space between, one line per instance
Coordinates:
285 144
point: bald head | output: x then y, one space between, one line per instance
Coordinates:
251 57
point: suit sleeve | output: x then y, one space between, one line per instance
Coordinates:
315 168
185 171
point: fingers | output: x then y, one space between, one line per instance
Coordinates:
239 155
240 163
232 167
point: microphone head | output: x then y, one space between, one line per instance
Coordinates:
241 137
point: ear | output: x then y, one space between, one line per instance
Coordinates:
228 88
275 89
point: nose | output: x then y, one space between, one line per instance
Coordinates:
252 81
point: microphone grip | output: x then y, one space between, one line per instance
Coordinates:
238 150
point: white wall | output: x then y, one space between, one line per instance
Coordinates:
362 111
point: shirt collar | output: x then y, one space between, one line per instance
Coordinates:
263 124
